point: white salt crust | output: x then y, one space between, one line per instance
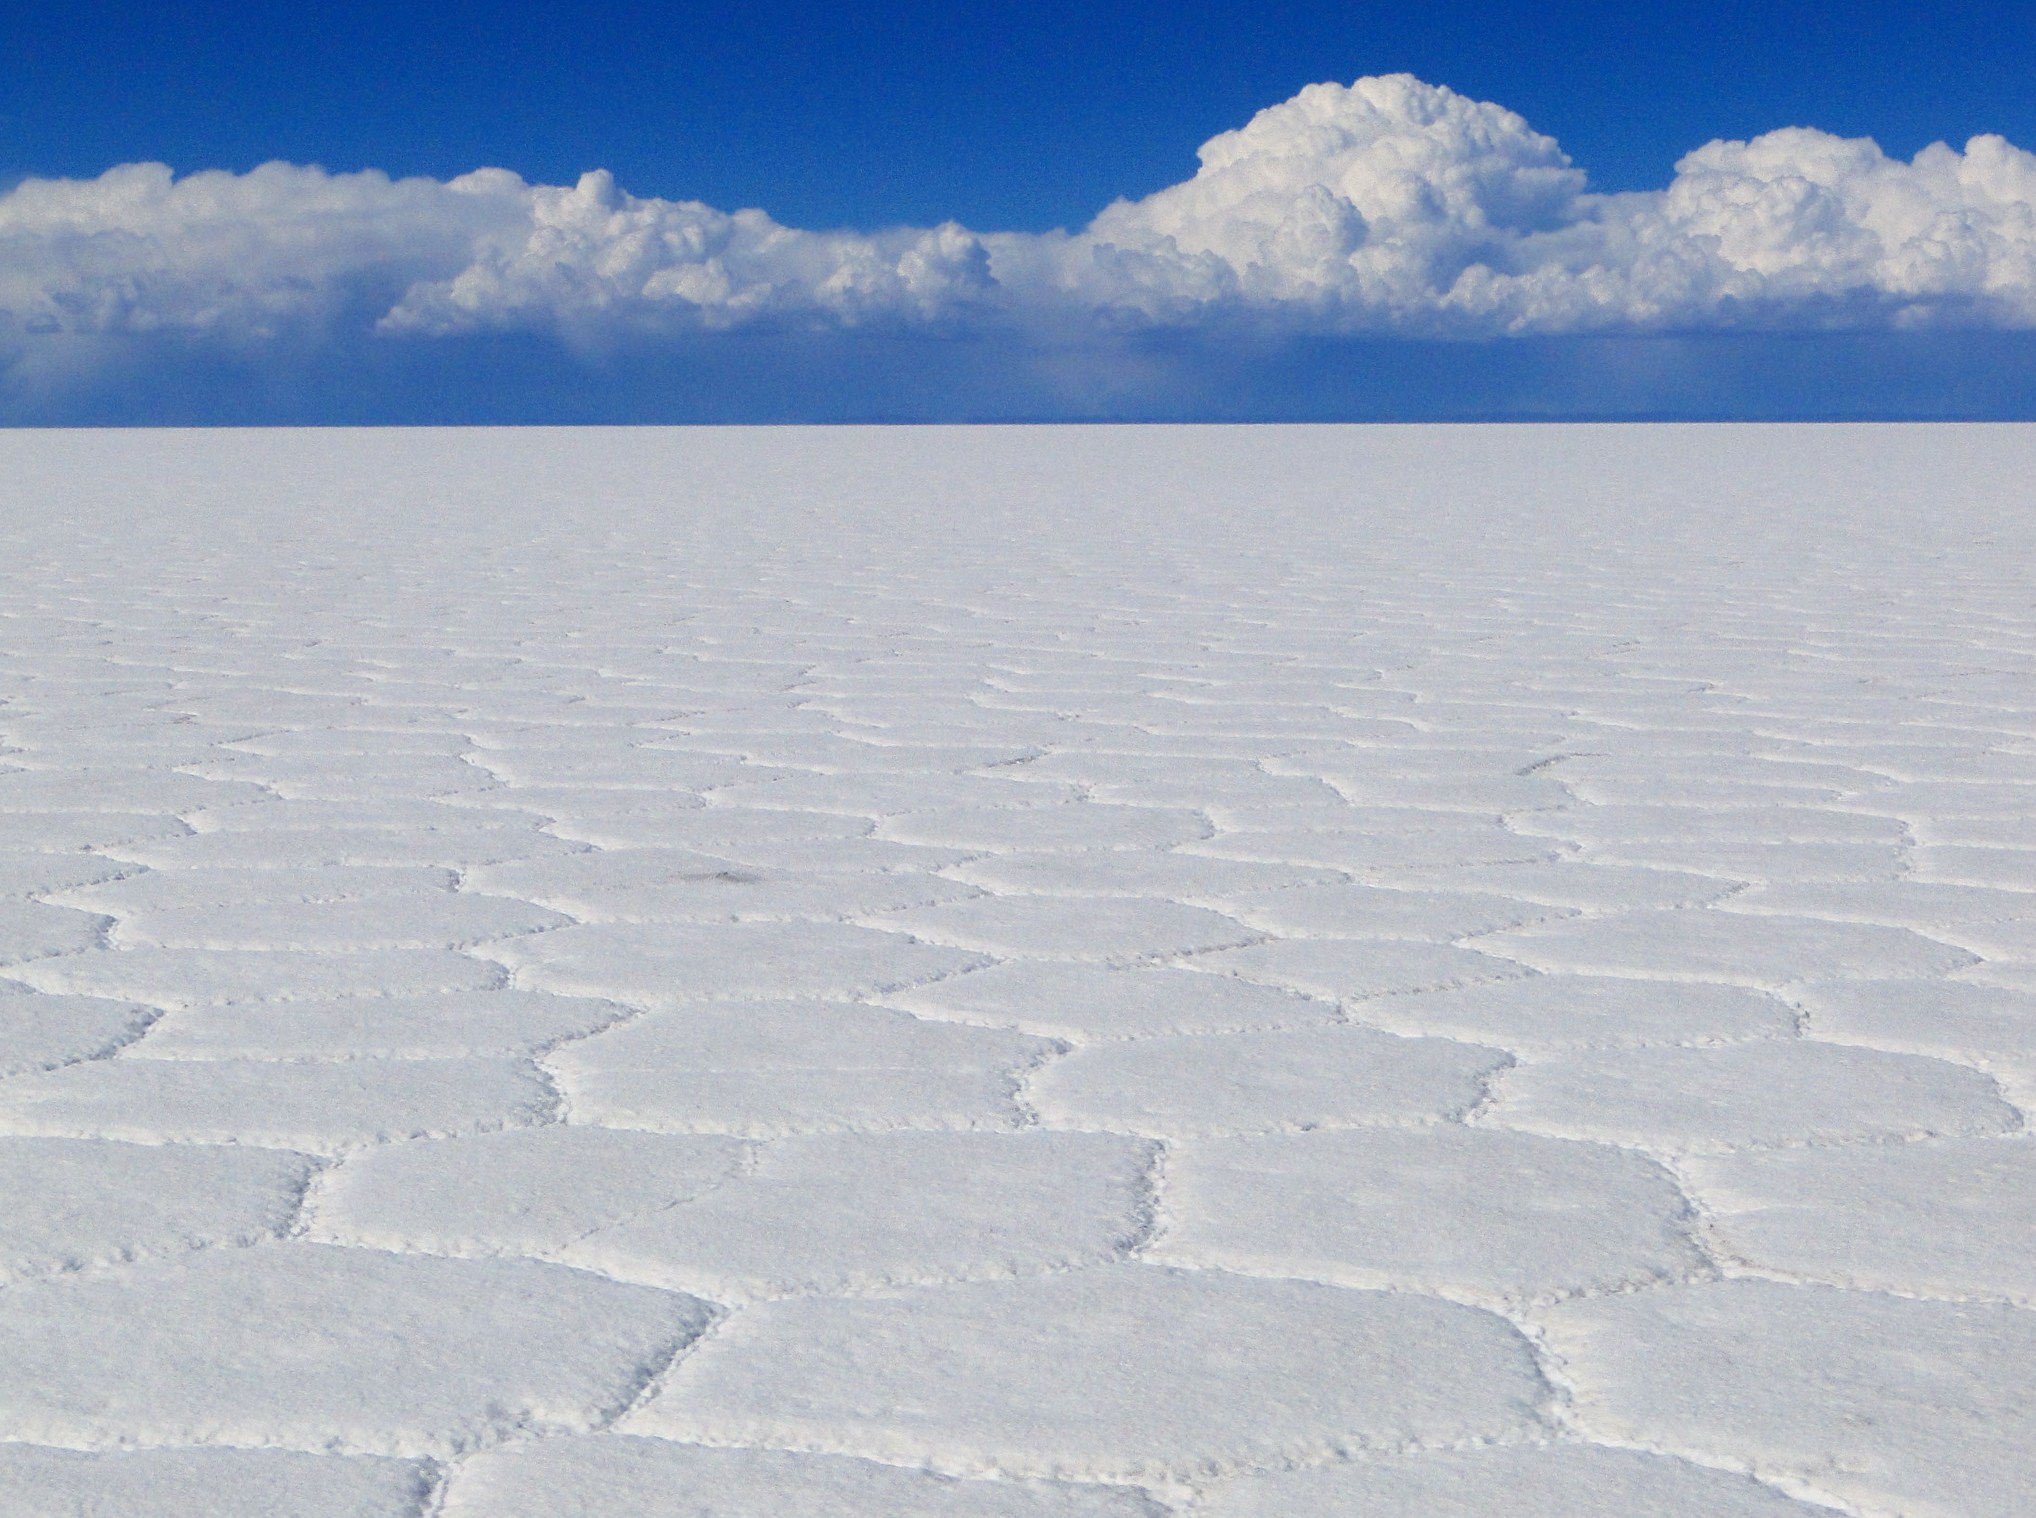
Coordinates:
1148 973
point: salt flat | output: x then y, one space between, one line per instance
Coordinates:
983 973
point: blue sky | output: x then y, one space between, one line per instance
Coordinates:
148 305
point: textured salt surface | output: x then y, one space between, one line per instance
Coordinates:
1160 973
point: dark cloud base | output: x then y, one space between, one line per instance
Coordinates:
754 377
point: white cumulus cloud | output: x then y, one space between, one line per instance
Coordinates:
1394 205
1371 200
585 257
234 255
1387 206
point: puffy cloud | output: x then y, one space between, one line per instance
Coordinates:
581 259
1372 200
1797 217
237 256
284 248
1389 206
1396 206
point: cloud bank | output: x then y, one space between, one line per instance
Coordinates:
1390 208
